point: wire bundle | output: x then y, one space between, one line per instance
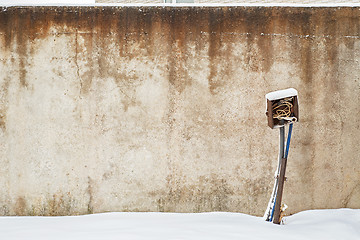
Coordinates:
283 108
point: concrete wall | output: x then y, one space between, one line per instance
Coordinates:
162 109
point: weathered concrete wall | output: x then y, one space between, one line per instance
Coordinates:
162 109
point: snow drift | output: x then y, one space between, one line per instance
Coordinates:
315 224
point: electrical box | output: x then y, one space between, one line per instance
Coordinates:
282 107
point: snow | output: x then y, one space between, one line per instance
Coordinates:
334 224
290 92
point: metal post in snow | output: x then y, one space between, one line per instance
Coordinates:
282 109
277 210
281 156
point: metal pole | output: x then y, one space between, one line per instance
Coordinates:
288 140
281 155
280 191
282 144
281 178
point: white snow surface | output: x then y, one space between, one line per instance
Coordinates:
290 92
337 224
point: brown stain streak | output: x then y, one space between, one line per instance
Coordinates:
3 121
90 191
20 206
22 25
178 74
307 64
6 25
258 23
4 99
210 192
215 43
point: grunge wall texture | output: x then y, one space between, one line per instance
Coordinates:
163 109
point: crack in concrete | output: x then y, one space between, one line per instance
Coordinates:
348 197
76 61
91 198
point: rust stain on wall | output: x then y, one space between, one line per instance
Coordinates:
209 192
256 24
20 206
2 121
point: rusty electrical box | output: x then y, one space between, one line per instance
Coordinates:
282 107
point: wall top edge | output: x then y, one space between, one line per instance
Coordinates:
312 5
